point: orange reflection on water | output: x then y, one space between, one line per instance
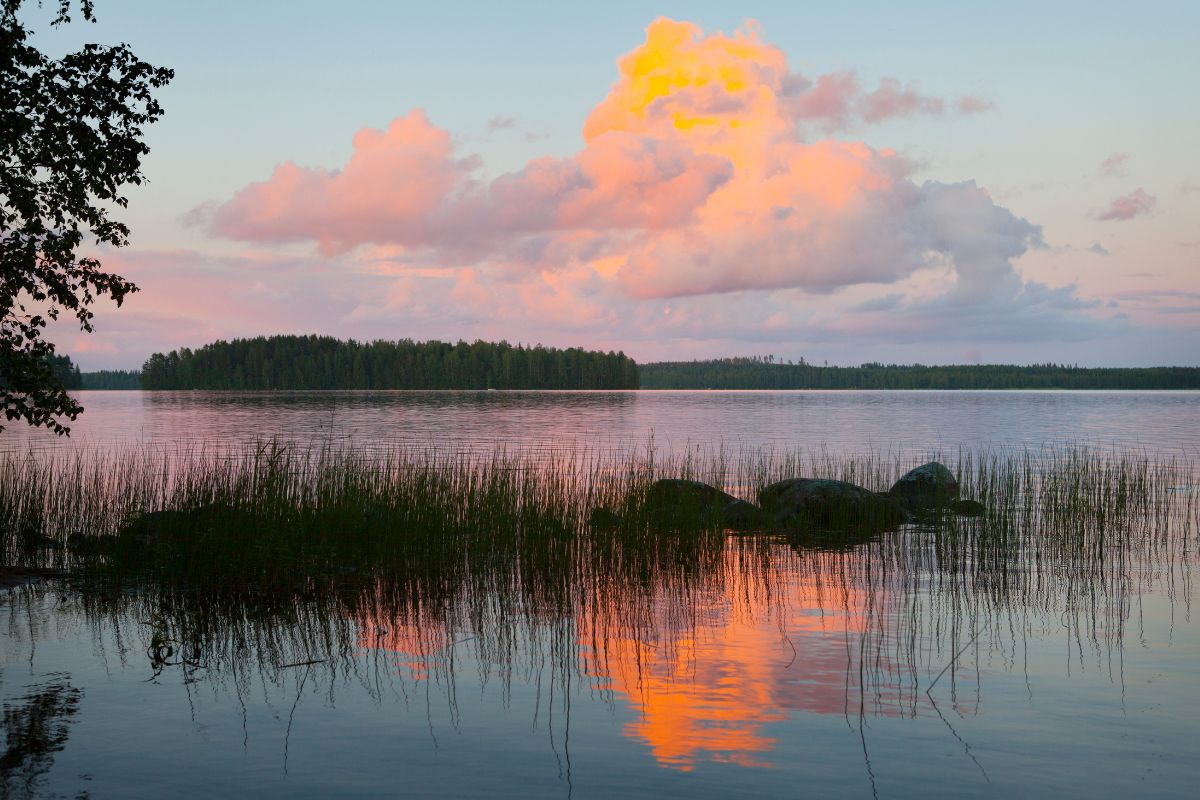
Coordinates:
749 654
706 669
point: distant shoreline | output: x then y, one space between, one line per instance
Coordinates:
312 363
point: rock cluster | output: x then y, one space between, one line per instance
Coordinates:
803 503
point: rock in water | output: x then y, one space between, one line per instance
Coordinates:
689 504
742 516
828 503
967 508
669 492
926 486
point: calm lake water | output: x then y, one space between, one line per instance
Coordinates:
839 421
758 668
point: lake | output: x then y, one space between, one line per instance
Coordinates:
837 421
1047 649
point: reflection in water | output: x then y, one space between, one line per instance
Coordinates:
36 727
744 656
843 422
709 651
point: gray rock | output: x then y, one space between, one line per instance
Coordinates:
742 516
827 503
676 492
931 484
692 504
968 508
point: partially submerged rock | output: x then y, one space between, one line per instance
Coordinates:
679 493
798 502
968 508
692 504
742 516
930 485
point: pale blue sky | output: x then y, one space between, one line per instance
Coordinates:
1072 83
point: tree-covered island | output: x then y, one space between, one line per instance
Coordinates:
323 362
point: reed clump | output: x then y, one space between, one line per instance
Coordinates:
275 556
276 518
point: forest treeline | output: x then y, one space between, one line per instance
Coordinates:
311 362
768 373
323 362
111 379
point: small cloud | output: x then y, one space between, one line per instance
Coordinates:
534 136
1128 206
1099 249
198 217
1114 165
970 104
1189 188
500 122
893 99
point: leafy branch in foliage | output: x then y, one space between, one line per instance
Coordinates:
70 139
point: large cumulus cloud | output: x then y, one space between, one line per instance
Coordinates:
709 201
695 177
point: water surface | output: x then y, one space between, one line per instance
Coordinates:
839 421
905 665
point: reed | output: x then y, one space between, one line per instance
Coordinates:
251 561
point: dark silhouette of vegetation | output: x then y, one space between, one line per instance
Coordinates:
322 362
70 139
768 373
111 379
35 728
65 372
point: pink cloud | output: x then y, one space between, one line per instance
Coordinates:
1128 206
892 99
391 190
705 204
691 180
1114 165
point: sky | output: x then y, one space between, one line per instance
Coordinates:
936 182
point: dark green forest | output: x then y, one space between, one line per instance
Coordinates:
323 362
311 362
769 373
111 379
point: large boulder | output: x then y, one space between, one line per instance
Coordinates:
742 516
685 503
804 502
676 492
927 486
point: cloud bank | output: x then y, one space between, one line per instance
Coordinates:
708 202
696 177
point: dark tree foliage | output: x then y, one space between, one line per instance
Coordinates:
65 372
322 362
70 140
111 379
767 373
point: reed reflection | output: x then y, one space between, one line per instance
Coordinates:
707 674
356 571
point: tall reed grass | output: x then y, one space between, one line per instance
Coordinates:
262 558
